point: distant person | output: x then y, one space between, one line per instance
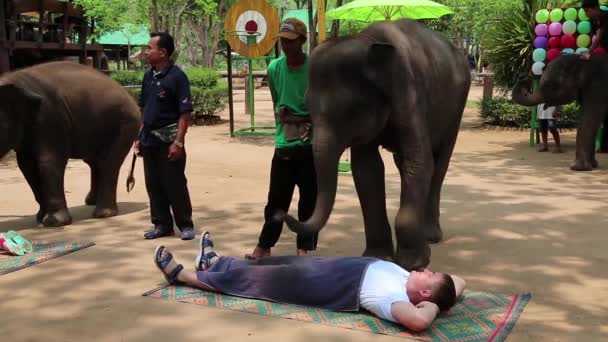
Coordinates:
546 122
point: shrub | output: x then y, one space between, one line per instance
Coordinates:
205 101
503 112
202 77
126 78
209 101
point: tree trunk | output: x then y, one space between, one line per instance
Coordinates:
154 22
312 40
335 25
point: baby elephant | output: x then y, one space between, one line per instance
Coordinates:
55 111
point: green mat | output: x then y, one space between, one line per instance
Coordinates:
479 316
43 251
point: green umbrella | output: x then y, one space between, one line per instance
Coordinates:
377 10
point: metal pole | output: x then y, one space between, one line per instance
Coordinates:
251 89
230 99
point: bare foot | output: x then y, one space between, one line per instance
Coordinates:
258 252
302 252
543 149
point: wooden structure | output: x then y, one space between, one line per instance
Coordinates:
37 31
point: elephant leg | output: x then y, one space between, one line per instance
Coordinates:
107 171
368 174
51 168
91 198
432 227
415 163
27 165
593 109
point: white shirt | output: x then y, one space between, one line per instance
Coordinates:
543 114
383 284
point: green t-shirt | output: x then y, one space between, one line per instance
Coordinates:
287 87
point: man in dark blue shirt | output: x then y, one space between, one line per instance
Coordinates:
167 105
598 15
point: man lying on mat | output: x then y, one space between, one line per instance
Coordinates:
340 284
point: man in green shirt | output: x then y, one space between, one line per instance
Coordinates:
293 162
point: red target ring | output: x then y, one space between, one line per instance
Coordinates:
251 27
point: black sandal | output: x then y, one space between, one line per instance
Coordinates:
204 259
162 263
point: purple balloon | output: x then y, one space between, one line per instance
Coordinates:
540 42
541 29
555 29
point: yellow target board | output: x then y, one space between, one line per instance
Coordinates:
252 27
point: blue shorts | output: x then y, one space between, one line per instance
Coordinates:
546 124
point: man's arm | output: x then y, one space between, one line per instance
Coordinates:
415 317
598 39
182 127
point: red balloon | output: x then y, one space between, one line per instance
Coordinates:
599 51
568 41
553 54
554 43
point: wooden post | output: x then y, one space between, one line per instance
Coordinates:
65 24
5 65
321 19
2 22
39 37
82 36
488 86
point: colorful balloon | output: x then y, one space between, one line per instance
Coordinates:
568 41
570 14
542 16
583 40
581 50
541 29
584 27
556 15
539 55
540 42
555 29
569 27
537 68
553 54
568 51
582 15
554 43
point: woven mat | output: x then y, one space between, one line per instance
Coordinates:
479 316
43 251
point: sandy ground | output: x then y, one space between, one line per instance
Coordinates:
514 220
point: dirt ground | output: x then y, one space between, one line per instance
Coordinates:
514 221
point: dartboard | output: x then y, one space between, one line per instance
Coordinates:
251 27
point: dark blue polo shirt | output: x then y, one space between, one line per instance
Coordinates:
601 22
164 97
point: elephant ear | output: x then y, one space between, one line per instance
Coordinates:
380 58
19 99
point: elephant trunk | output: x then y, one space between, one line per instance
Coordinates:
327 151
522 96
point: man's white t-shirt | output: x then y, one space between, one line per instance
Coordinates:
383 284
545 114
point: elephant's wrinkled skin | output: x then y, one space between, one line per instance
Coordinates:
400 86
567 79
52 112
